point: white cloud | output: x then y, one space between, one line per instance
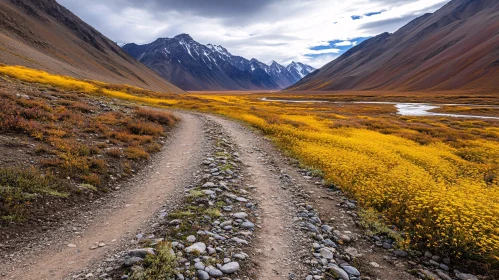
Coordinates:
278 30
345 44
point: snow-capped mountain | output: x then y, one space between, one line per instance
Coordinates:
299 70
193 66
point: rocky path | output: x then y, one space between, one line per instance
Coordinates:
222 203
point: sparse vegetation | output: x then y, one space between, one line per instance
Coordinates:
434 178
160 266
73 134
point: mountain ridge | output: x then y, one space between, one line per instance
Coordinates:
194 66
44 35
437 51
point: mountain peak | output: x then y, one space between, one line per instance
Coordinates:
184 37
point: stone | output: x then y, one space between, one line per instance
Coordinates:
326 253
131 261
240 215
240 256
141 253
374 264
203 275
241 199
248 225
191 238
198 247
351 270
339 272
211 251
71 245
443 275
215 273
180 276
199 266
464 276
429 275
400 253
231 267
209 185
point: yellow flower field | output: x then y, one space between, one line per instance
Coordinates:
435 178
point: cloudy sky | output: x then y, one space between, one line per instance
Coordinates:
311 31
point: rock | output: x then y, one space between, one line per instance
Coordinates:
141 253
71 245
241 199
215 273
180 276
131 261
203 275
465 276
229 268
352 252
374 264
199 266
191 239
240 215
208 192
345 238
444 267
400 253
239 240
339 272
209 185
248 225
429 275
443 275
240 256
351 270
329 243
326 253
196 247
175 222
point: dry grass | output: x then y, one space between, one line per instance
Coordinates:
76 134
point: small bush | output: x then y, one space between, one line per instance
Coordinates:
92 179
135 153
144 128
114 152
157 116
160 266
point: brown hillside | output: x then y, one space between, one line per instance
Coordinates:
457 47
44 35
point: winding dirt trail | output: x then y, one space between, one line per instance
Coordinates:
135 206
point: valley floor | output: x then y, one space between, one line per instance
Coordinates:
366 193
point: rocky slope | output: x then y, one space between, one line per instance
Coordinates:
193 66
44 35
453 48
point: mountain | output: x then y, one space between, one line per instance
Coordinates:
457 47
193 66
44 35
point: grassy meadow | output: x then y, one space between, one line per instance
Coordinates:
434 178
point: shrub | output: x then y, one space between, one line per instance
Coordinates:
160 266
157 116
135 153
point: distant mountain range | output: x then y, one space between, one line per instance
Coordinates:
457 47
193 66
44 35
